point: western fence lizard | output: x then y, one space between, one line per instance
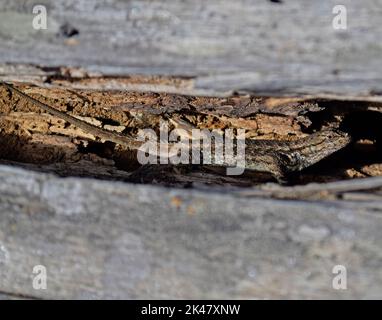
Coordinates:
273 156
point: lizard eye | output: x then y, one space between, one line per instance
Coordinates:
291 159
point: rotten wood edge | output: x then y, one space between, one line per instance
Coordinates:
39 76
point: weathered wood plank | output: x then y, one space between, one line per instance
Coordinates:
259 46
114 240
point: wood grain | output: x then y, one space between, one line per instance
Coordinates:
116 240
257 46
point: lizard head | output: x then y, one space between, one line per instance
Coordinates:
313 149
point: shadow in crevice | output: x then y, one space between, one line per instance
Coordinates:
95 160
333 110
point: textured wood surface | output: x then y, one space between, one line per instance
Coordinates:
114 240
260 46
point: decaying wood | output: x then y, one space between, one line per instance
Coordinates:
28 138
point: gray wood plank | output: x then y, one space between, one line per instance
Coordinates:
102 239
258 46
